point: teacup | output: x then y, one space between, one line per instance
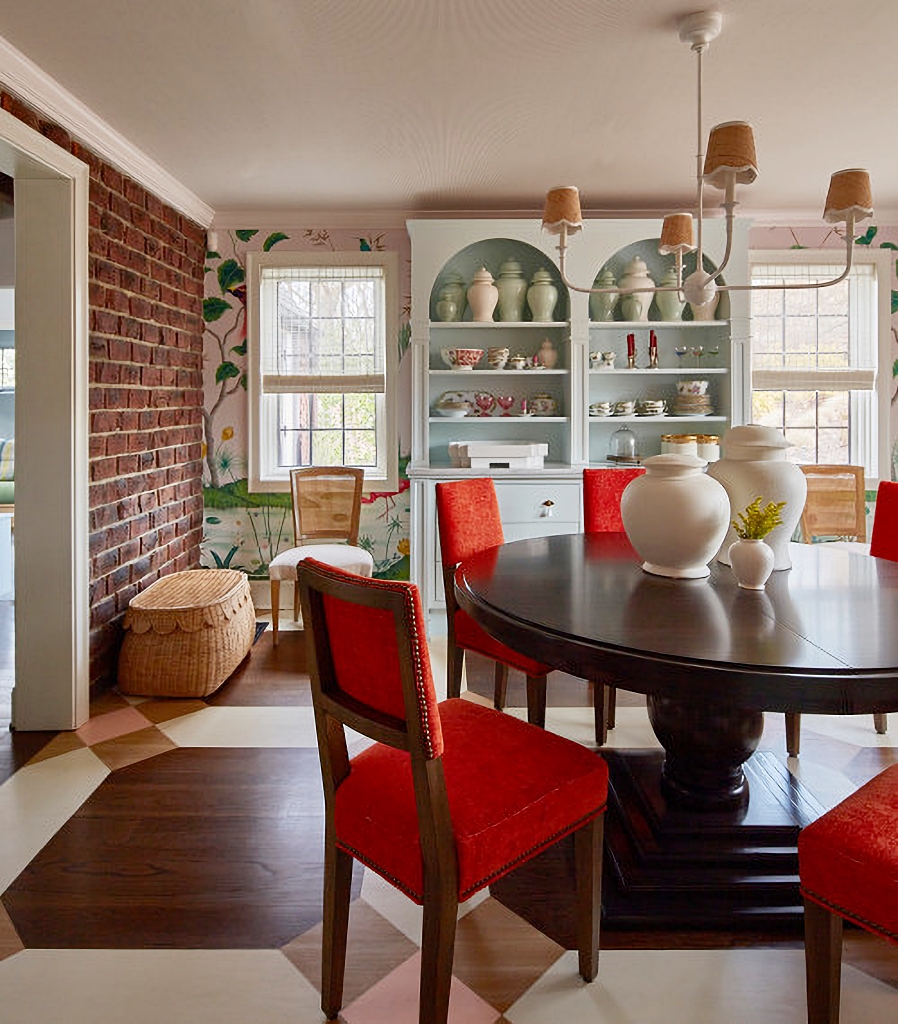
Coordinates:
602 360
518 362
651 407
692 387
497 358
626 408
600 409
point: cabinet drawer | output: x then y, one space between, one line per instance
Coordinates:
525 503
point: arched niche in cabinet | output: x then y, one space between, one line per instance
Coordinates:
657 266
494 253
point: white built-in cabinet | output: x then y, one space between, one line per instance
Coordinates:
548 501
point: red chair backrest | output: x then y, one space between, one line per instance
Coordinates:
369 652
602 490
884 539
468 519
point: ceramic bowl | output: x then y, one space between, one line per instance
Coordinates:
466 358
692 387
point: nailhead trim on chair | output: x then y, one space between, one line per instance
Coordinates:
848 915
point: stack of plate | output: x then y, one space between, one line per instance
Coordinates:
693 405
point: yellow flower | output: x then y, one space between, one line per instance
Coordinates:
404 547
227 433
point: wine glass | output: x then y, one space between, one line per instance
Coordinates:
485 402
505 402
697 353
713 353
680 351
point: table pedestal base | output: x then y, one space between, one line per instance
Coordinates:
669 866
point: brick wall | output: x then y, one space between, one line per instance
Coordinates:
146 397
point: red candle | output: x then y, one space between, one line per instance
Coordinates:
631 344
653 340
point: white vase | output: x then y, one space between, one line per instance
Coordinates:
670 305
754 464
675 516
706 310
482 296
542 296
634 299
512 288
752 561
601 306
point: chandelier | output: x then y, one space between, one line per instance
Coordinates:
730 160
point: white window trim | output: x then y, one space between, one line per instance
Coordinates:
389 261
877 441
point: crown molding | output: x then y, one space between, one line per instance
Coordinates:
33 85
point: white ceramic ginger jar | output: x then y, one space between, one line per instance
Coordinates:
512 288
482 296
752 561
542 296
675 490
754 464
634 300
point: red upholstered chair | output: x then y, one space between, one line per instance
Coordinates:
469 522
848 865
421 806
884 539
602 490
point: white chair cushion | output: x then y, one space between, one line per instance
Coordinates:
340 556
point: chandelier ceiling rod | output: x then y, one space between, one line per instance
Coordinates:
730 160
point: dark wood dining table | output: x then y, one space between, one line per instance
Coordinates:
703 833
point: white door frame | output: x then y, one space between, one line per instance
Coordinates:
51 547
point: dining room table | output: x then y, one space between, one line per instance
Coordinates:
701 833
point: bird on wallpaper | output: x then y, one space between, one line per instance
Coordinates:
371 244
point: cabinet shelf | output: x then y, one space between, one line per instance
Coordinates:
661 370
494 325
507 420
648 325
464 374
656 419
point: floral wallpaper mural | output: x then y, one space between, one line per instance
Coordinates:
244 530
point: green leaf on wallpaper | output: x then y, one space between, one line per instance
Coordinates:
240 349
273 239
236 495
895 302
895 368
213 308
230 274
242 382
797 246
867 237
245 234
225 371
888 245
214 520
213 255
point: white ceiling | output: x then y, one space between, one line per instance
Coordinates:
468 105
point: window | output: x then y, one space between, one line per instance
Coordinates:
322 332
816 354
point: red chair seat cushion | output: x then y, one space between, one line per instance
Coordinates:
848 858
513 789
471 637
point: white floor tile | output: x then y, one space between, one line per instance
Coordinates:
153 986
37 801
721 986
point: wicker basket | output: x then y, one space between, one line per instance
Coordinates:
185 634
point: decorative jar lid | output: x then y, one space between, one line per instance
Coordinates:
483 275
606 278
674 465
754 441
510 268
541 275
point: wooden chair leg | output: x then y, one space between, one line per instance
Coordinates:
437 952
337 885
823 962
600 711
881 722
793 733
500 686
611 717
588 863
536 700
275 605
455 663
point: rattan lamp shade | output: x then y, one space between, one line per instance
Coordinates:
849 193
731 149
676 234
562 209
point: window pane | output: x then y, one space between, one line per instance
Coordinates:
803 445
360 411
767 303
832 446
327 447
832 409
328 412
767 408
801 408
361 448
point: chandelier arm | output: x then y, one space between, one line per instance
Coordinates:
849 259
699 162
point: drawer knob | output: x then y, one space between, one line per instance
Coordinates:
547 509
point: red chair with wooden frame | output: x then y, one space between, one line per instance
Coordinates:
602 490
848 867
884 538
469 522
421 807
